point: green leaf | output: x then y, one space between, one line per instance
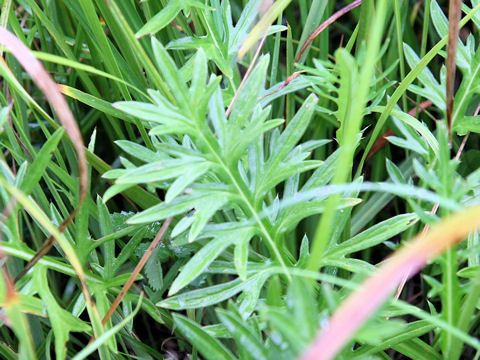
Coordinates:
408 144
301 301
21 328
432 90
246 101
199 76
198 263
294 130
303 253
244 337
106 228
379 330
355 266
182 225
285 170
163 113
217 330
95 102
241 258
191 173
281 322
248 300
262 26
41 161
31 305
287 140
467 124
429 177
374 235
4 111
418 126
207 254
253 131
295 211
91 347
62 321
138 151
153 270
440 21
348 72
163 210
469 272
214 50
129 248
410 331
162 170
179 205
36 212
208 346
115 190
417 349
161 19
394 172
246 20
170 73
204 211
213 294
369 209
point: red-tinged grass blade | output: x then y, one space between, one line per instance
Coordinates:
363 302
312 37
49 88
454 12
325 24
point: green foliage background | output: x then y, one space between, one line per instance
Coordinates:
278 212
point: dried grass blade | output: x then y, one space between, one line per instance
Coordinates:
269 11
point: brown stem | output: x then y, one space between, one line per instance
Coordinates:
454 12
136 271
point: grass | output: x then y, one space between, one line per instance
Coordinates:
209 179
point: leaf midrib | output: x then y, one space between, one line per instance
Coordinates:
243 195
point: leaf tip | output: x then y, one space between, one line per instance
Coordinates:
173 290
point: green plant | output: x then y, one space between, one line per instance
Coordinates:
258 146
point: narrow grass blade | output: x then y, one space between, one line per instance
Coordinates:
208 346
90 348
49 88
